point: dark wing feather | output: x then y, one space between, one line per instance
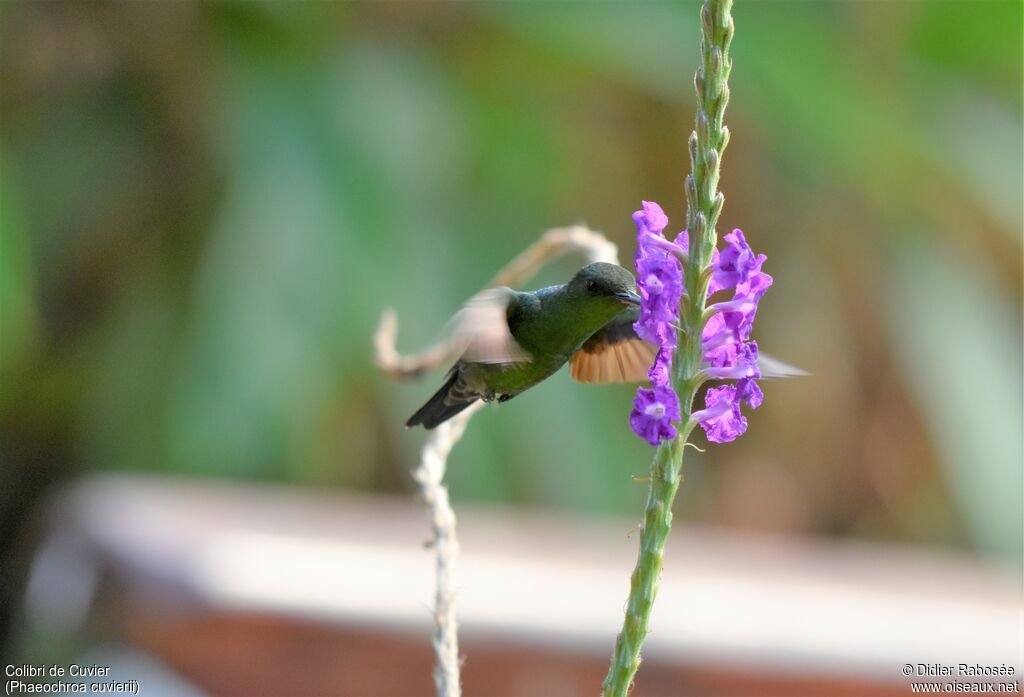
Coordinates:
613 354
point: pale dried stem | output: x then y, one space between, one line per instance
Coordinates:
593 246
397 366
430 476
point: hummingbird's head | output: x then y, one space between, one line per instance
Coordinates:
607 282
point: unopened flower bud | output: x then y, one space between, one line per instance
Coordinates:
707 22
711 161
691 191
703 129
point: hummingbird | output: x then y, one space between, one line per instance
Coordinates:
512 340
509 341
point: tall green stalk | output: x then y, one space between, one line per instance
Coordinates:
704 204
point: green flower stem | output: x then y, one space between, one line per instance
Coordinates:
704 205
665 478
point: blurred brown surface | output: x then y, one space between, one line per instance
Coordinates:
245 655
260 590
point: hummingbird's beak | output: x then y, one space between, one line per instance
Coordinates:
628 297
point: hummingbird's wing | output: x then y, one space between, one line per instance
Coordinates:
616 354
480 331
772 367
613 354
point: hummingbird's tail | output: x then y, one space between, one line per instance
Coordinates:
441 407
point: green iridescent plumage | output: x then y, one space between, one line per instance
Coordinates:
533 334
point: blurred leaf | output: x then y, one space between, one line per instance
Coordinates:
981 39
981 136
959 344
651 44
260 359
17 304
124 366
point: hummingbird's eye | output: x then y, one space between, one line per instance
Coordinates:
592 287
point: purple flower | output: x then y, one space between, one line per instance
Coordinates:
660 370
747 391
654 412
650 218
729 354
650 242
736 316
660 282
727 331
734 361
722 420
659 278
736 264
721 339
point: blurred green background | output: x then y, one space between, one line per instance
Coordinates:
206 206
